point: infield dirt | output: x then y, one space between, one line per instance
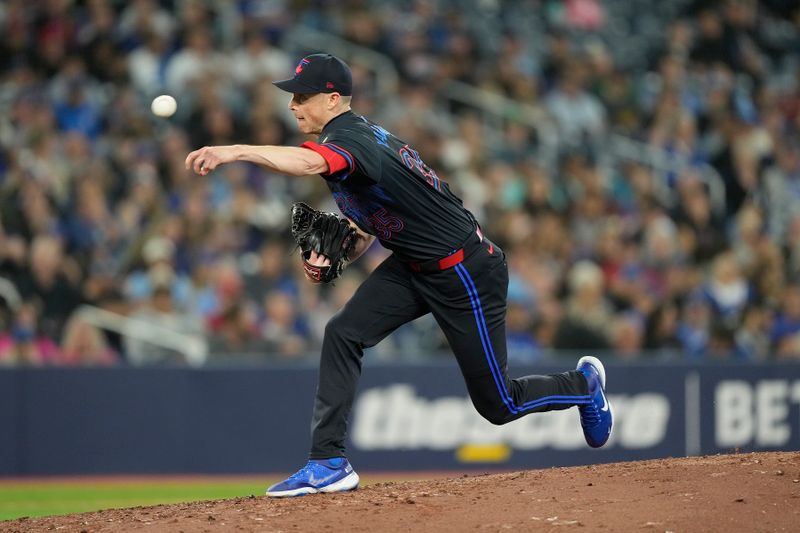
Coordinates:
727 493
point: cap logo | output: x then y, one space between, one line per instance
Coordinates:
318 73
299 68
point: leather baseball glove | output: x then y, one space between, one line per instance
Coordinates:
326 234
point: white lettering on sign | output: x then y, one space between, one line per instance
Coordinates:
396 418
772 406
734 405
754 413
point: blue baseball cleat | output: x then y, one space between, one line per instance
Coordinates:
319 475
596 417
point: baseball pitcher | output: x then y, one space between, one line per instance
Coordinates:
441 263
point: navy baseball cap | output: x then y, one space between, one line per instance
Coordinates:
319 73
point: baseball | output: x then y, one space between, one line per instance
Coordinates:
164 106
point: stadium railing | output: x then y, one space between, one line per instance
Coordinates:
193 347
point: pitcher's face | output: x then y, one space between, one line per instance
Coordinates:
311 111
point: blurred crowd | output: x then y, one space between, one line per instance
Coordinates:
697 258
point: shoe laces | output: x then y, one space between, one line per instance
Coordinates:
590 414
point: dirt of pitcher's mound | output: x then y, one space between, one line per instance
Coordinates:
738 492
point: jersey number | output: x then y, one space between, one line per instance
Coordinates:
413 161
385 224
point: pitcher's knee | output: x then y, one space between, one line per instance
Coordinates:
339 327
496 413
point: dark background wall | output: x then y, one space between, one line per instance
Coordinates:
74 421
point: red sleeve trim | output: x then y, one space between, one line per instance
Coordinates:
336 161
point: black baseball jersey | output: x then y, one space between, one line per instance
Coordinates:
388 190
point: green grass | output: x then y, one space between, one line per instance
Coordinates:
43 498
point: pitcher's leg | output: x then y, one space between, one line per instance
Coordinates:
381 304
474 323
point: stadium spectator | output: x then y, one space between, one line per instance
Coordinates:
580 116
627 335
781 188
283 327
24 344
785 333
139 18
752 336
235 331
588 318
158 269
521 344
661 330
703 228
50 282
727 292
270 272
160 311
257 60
147 65
195 64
